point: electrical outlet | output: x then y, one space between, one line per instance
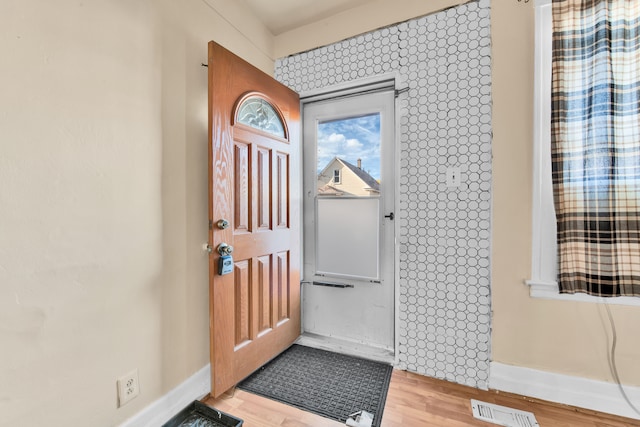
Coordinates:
128 387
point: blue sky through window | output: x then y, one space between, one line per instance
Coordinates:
351 139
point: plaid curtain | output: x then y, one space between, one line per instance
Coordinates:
595 145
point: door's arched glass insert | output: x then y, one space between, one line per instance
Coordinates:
259 114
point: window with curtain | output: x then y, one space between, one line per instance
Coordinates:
595 145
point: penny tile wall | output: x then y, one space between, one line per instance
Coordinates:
445 122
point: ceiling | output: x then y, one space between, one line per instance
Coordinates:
280 16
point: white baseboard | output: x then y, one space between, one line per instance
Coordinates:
162 410
575 391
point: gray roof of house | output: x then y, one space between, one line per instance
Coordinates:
364 176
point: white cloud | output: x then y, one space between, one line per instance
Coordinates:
354 143
336 138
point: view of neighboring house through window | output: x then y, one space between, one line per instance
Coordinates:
349 154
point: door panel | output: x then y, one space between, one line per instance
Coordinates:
264 303
253 175
243 304
282 191
242 191
264 188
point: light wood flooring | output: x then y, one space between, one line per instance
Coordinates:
415 401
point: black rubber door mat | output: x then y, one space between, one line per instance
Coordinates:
329 384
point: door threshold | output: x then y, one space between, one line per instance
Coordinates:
351 348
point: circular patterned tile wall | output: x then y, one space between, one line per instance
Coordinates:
445 122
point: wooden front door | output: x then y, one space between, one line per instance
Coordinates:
254 127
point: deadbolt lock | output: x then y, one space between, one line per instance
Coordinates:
223 224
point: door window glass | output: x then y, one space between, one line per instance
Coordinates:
259 114
348 190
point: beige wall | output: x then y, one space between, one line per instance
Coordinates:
556 336
370 16
103 200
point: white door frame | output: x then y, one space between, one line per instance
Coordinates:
356 87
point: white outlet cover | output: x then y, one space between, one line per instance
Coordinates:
453 177
128 387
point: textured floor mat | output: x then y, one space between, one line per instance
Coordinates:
329 384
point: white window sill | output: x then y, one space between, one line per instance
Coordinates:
549 290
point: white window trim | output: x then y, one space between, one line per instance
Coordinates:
338 175
543 283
